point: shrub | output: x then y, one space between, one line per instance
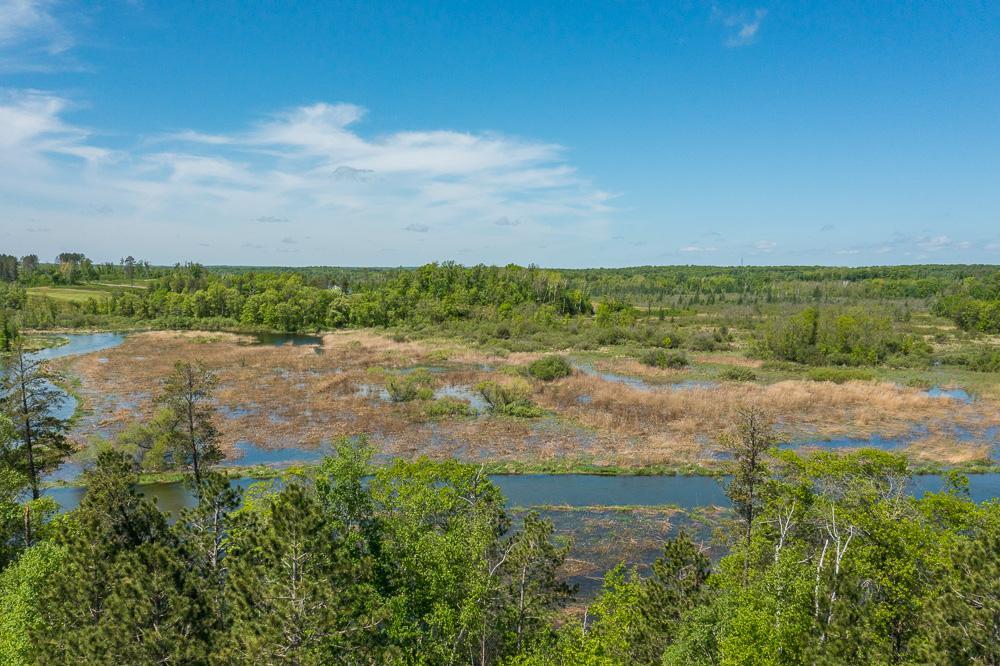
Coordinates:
839 375
549 368
448 406
509 399
738 375
413 386
705 342
659 358
611 336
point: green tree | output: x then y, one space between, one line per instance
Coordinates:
121 594
748 442
294 593
31 400
187 395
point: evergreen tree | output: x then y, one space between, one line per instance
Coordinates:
31 400
294 594
187 394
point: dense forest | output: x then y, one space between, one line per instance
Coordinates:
807 315
826 560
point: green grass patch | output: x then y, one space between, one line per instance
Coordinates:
839 375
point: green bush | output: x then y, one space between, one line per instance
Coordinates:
550 367
509 399
448 406
660 358
413 386
738 375
839 375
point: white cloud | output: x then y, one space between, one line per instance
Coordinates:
31 37
743 26
765 245
698 248
309 164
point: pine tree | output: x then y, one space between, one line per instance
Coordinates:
294 594
31 400
187 394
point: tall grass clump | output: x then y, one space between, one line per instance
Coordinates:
511 399
413 386
549 368
738 375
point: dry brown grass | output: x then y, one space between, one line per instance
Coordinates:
301 396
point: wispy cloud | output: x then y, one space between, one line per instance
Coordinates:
743 26
32 38
698 249
311 163
765 245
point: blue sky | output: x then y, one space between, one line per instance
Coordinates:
566 134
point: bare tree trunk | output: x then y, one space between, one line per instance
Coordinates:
191 437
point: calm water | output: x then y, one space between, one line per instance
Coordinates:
80 343
686 492
960 395
248 453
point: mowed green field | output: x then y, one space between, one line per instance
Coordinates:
78 293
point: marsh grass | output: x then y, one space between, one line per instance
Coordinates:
305 398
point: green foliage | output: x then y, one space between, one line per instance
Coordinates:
35 441
21 612
447 406
659 358
738 374
839 375
293 592
186 399
549 368
509 399
416 385
973 304
418 562
614 313
853 336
